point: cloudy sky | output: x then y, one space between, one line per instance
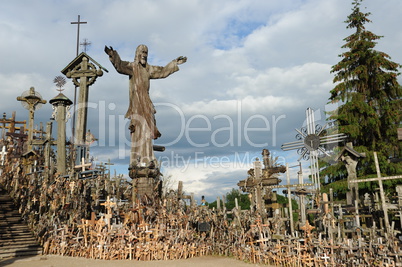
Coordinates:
253 69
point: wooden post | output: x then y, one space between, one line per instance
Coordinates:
49 126
289 201
383 204
61 103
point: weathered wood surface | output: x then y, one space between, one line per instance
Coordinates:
96 218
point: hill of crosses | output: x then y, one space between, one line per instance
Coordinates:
50 191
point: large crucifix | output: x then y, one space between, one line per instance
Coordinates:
31 100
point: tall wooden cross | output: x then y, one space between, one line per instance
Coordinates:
382 195
78 31
83 71
108 163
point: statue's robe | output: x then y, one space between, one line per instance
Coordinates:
141 111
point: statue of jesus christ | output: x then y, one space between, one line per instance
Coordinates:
141 111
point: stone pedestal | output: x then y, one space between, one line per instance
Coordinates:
146 181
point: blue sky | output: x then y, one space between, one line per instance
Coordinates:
253 69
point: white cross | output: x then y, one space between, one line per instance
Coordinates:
325 258
3 154
83 164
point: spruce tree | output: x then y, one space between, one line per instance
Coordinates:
369 95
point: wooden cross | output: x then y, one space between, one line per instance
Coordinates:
108 205
78 30
10 124
325 258
3 154
21 138
83 164
109 164
32 101
382 195
83 72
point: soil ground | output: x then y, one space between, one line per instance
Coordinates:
60 261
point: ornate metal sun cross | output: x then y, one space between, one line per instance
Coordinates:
60 81
310 142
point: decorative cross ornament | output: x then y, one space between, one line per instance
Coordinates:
310 141
85 44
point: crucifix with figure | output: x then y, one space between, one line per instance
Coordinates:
31 100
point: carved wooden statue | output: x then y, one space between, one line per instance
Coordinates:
141 110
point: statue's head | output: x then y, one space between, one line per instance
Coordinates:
141 54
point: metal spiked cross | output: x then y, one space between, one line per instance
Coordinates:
310 141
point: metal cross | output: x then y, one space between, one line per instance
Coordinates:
85 44
78 30
310 141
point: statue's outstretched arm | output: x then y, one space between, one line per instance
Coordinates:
122 67
180 60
